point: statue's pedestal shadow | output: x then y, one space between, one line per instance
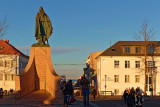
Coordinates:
39 74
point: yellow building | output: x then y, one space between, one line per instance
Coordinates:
123 66
91 70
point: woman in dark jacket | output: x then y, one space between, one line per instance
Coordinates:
85 90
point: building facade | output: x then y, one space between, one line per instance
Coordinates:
123 66
12 63
91 69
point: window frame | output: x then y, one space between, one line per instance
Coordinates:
116 64
7 63
127 79
137 50
7 77
127 49
116 78
137 65
127 64
137 78
12 77
150 63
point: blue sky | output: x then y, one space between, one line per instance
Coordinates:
80 26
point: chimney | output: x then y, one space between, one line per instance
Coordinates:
7 41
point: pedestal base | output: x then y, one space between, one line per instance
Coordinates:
38 74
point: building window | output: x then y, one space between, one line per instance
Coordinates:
137 78
116 78
150 63
151 49
116 64
151 69
7 63
116 91
12 77
13 63
127 64
138 50
1 63
7 77
137 64
127 49
127 78
1 77
113 49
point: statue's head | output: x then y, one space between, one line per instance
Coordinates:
41 10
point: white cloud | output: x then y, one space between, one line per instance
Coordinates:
55 50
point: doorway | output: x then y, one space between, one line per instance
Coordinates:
149 86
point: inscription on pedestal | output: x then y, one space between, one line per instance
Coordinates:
40 62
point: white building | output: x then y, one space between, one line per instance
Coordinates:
12 62
122 66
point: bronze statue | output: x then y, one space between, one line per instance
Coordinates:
43 28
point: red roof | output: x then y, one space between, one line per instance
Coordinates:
6 48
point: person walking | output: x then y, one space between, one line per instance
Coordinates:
70 91
1 92
131 99
139 100
125 95
85 90
94 93
65 94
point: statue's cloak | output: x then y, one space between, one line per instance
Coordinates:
43 27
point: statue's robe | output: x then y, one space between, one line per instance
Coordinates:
43 28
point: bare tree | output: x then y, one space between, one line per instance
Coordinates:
3 26
145 34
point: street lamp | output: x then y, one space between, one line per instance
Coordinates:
105 83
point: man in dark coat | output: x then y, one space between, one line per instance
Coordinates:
125 95
65 94
70 91
131 99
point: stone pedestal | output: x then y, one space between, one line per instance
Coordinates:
38 74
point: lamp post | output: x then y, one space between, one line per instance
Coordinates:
105 83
